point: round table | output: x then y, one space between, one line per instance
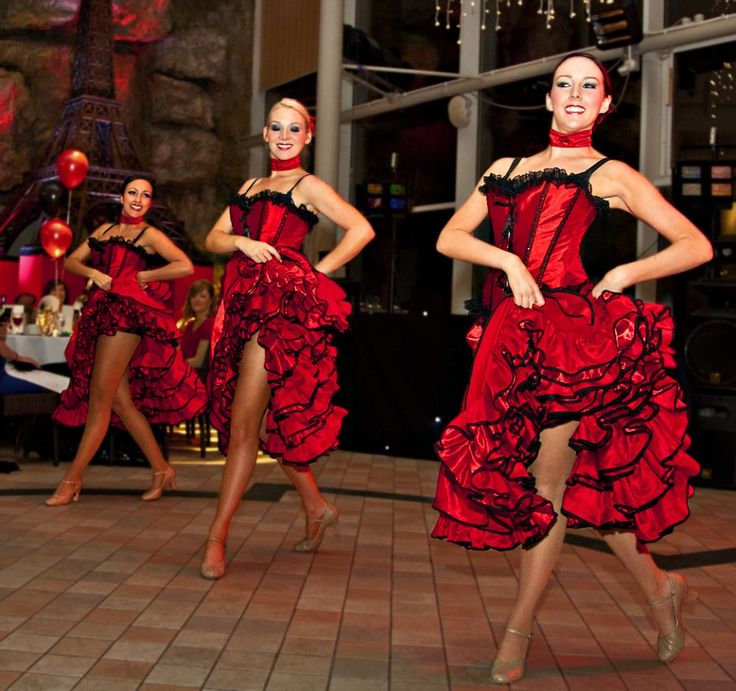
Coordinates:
46 350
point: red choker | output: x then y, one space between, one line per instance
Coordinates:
572 140
290 164
131 220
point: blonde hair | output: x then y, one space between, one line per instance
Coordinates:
298 106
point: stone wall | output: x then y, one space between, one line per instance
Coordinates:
182 72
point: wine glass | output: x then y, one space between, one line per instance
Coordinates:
16 318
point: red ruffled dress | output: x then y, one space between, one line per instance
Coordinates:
600 361
291 308
163 386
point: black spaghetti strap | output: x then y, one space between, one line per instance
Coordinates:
112 225
138 237
297 182
255 180
514 163
585 175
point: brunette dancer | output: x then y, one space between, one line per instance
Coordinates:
124 356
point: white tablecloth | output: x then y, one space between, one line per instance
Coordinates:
46 350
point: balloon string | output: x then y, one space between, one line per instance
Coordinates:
69 207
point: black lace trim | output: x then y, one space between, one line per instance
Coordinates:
99 245
283 199
510 187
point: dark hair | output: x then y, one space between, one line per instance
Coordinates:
52 283
149 179
607 83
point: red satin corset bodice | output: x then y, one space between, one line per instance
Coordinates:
117 258
542 217
122 260
271 217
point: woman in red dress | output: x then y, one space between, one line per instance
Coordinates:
197 323
272 357
124 356
569 419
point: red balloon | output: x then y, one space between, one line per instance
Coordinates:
56 237
72 166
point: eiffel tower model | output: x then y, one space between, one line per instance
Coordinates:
91 122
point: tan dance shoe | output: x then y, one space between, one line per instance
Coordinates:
329 517
670 645
513 670
67 492
213 571
164 479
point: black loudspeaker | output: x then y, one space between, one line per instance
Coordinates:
710 359
713 424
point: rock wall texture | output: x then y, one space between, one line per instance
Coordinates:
182 72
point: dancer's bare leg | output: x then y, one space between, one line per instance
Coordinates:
112 356
649 577
252 394
312 500
137 425
550 470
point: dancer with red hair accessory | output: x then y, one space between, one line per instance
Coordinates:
569 419
272 357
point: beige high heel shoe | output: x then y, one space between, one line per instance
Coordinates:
164 479
670 645
67 492
513 670
311 544
214 570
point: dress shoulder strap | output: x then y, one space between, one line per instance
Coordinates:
514 163
585 175
297 182
112 225
138 237
255 180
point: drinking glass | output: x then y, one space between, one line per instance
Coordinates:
16 318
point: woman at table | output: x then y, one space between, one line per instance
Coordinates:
124 358
8 383
570 418
57 288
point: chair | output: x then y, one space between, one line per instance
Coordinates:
29 406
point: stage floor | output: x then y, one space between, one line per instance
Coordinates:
105 594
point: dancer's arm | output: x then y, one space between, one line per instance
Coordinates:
629 190
456 240
76 263
179 265
358 231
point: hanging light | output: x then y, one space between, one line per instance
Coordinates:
453 11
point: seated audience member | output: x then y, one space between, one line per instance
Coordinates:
8 383
197 322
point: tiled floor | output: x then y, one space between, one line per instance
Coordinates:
105 594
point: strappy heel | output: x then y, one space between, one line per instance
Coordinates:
670 645
162 480
214 570
513 670
67 492
329 517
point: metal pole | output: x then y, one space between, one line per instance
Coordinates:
329 79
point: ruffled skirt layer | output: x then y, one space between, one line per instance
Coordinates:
291 309
162 385
601 362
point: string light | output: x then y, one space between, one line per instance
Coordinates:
458 9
